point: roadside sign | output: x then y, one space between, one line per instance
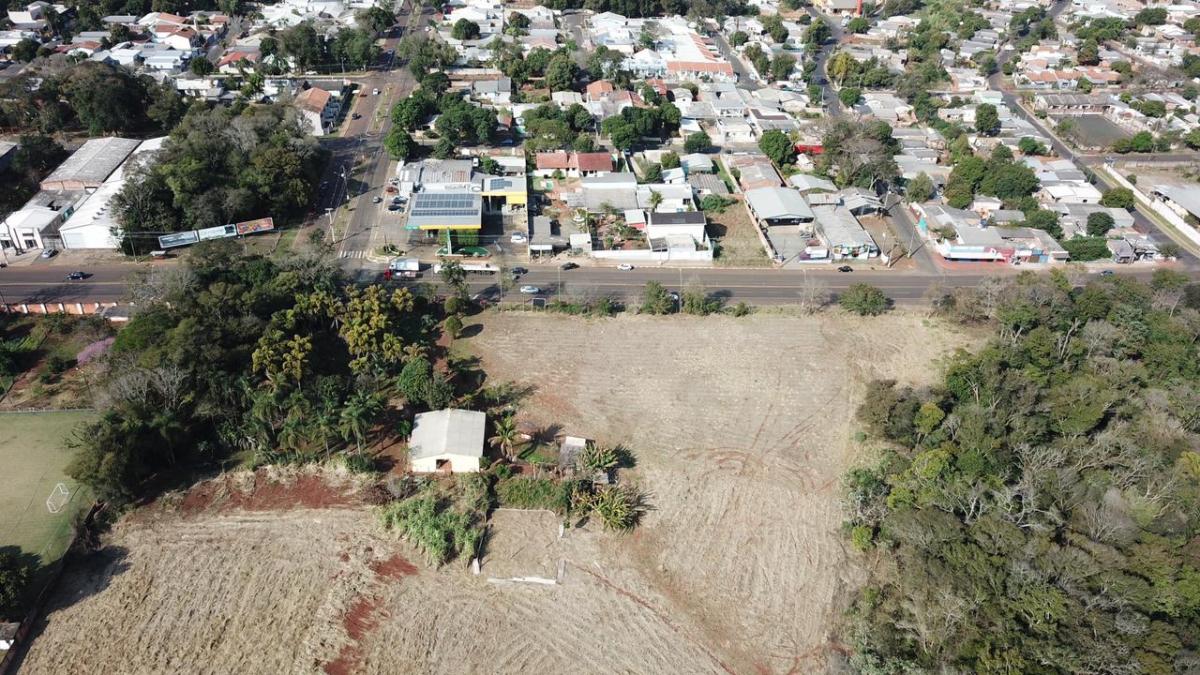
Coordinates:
219 232
178 239
259 225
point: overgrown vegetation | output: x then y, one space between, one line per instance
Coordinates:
445 521
231 354
221 167
1036 510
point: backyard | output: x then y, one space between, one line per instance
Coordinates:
741 429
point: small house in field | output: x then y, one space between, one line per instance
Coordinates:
447 441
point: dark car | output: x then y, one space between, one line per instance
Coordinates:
518 271
355 116
568 266
1106 273
77 276
845 268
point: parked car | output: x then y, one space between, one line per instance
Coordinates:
356 116
374 92
49 252
376 199
624 267
391 189
517 238
395 207
1106 273
845 268
568 266
76 276
518 271
530 290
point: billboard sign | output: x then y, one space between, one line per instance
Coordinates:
219 232
253 226
178 239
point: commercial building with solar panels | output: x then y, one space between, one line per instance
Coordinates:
445 211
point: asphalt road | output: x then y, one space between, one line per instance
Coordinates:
358 167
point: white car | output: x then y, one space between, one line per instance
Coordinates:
517 238
530 290
375 92
624 267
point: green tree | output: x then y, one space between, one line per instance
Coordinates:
656 299
919 189
360 411
465 29
504 436
850 96
1099 223
561 73
25 50
864 299
987 120
1083 249
399 143
1118 198
697 142
1031 146
858 25
739 38
778 147
16 571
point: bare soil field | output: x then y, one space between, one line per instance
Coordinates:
741 429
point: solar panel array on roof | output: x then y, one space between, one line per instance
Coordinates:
435 205
500 184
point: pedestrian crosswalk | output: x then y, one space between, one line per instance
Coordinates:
353 254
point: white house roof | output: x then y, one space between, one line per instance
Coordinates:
447 432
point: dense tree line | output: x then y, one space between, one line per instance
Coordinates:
1037 509
95 97
634 124
221 166
238 354
654 8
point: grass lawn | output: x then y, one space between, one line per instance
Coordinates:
34 453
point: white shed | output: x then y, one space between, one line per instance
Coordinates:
447 440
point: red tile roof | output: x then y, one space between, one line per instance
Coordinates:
594 161
313 99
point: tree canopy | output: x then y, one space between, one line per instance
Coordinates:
219 167
1036 510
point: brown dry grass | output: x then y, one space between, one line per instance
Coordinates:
741 428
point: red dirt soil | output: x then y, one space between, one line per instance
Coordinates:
395 567
309 492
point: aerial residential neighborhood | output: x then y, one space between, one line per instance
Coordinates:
488 336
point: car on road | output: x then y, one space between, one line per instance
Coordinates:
517 238
568 266
76 276
395 207
1106 273
391 189
530 290
624 267
845 268
375 92
376 199
518 271
355 116
49 253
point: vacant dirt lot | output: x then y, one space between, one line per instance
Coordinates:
741 429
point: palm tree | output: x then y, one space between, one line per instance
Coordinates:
504 436
356 417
